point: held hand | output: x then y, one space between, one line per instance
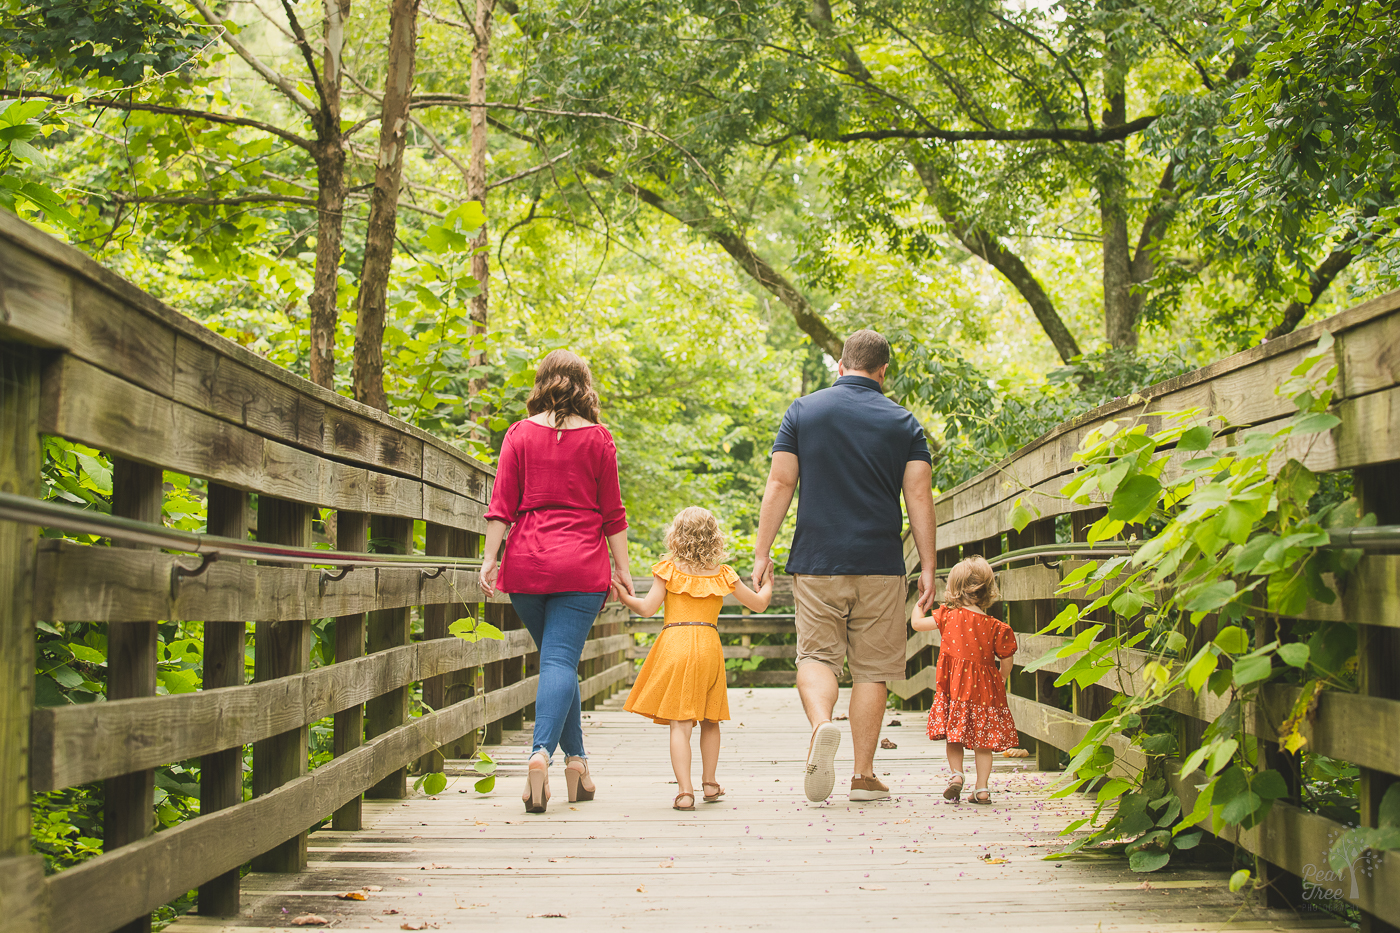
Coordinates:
928 589
623 582
762 568
489 570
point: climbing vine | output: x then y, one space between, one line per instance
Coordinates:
1235 533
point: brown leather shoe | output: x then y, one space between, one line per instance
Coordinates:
868 788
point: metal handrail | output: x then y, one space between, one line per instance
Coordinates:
49 514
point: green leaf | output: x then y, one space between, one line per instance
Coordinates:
1269 785
434 783
1314 422
1209 597
1294 654
66 676
1249 670
84 653
1148 860
1175 641
1021 516
1249 556
1220 754
1389 812
1238 880
1198 438
1188 840
1134 499
1232 639
1200 669
486 784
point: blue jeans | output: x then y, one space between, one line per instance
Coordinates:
559 624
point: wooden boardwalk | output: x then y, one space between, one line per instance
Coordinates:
762 859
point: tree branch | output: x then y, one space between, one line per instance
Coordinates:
748 259
117 104
306 54
987 246
1102 135
211 202
534 170
271 77
1318 281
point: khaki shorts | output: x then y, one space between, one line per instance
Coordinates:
858 619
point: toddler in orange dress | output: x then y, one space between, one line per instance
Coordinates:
974 660
682 680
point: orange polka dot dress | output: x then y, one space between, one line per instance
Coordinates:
969 700
683 675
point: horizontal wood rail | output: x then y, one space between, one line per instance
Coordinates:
1359 728
88 357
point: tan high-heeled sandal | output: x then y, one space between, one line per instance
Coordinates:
711 798
536 796
676 804
580 784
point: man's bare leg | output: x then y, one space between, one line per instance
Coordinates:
867 716
816 685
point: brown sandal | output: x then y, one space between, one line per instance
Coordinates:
711 798
954 789
676 804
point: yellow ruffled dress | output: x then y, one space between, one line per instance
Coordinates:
683 675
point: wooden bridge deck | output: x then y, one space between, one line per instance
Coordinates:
763 859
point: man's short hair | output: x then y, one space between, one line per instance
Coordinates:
865 351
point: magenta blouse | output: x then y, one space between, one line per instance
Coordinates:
558 490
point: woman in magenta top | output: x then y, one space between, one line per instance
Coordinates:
557 493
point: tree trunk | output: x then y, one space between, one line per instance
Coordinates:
371 306
329 154
1120 325
989 248
476 187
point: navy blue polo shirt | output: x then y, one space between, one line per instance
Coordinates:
852 445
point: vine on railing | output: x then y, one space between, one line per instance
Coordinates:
1235 542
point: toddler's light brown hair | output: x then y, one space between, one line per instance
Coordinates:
694 537
972 583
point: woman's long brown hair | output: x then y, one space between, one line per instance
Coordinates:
563 386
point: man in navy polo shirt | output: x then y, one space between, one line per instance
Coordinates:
853 451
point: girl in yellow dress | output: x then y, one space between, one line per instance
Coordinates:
682 680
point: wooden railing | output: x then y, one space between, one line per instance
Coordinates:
86 356
1361 728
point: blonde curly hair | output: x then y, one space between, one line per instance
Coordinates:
972 583
694 538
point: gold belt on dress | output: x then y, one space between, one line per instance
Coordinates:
712 625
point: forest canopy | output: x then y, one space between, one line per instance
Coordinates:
1044 204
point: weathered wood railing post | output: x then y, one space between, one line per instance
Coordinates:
1378 654
281 649
512 670
388 628
436 540
493 674
225 643
457 686
22 891
128 811
348 726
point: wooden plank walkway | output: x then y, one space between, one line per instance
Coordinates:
762 859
